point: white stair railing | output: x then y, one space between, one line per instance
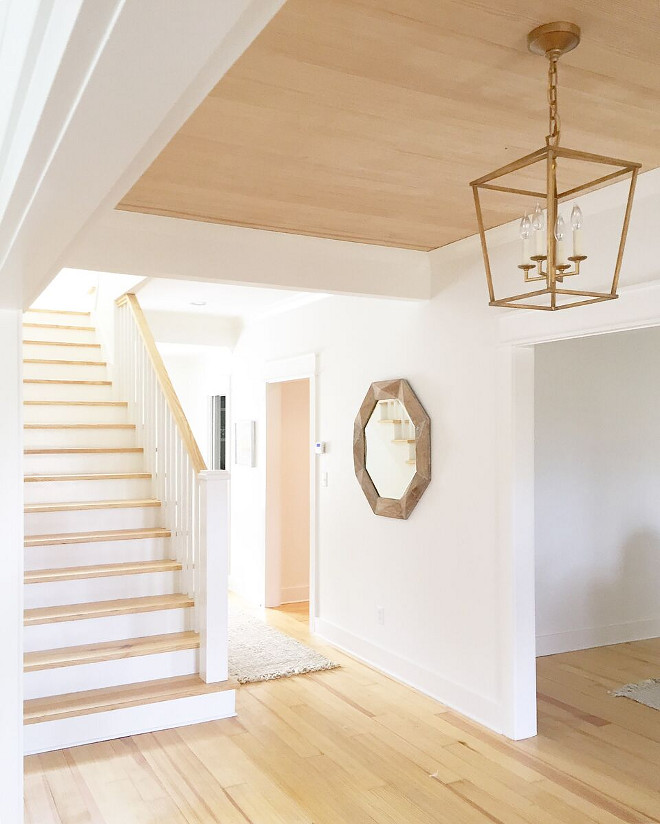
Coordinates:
195 499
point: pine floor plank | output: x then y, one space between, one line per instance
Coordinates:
351 745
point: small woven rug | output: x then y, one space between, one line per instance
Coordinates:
258 652
646 692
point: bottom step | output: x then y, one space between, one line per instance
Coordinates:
61 721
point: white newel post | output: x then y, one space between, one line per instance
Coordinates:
212 583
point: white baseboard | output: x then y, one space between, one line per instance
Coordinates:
554 643
103 726
292 595
479 708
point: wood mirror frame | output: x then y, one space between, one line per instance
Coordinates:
393 390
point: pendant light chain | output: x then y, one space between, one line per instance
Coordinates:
552 139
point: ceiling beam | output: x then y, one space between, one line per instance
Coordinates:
153 246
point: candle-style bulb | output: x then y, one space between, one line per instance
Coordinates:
525 227
537 218
577 220
559 228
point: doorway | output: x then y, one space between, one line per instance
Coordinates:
597 524
288 493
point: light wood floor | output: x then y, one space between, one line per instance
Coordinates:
351 745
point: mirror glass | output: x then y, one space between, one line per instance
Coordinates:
390 448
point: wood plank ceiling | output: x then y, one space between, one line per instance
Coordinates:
365 120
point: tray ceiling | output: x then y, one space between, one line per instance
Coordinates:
365 121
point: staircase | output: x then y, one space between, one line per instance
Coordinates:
112 622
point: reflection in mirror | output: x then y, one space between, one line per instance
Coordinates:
390 448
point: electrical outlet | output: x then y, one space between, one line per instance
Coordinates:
324 478
380 615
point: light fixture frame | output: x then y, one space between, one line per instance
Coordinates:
544 40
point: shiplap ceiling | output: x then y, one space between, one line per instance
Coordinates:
365 120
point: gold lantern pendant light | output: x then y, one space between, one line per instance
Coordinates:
547 257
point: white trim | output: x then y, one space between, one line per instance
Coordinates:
11 580
304 367
477 707
555 642
104 726
293 595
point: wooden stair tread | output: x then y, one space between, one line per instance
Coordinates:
61 382
60 312
44 576
103 609
75 328
108 651
55 362
61 343
75 403
55 707
88 476
95 537
80 450
72 506
84 426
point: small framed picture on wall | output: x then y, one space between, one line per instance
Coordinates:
244 442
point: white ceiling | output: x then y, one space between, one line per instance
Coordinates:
219 299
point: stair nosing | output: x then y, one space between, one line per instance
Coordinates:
107 699
105 609
64 382
75 403
120 647
31 342
82 425
69 327
81 450
92 537
58 312
74 506
84 573
87 476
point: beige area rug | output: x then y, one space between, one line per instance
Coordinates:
646 692
258 652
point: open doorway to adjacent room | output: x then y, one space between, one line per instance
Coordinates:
597 528
288 495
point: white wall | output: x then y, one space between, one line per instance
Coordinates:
436 574
597 490
197 372
11 571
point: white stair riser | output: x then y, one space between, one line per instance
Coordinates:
65 371
103 552
109 673
64 335
79 463
85 520
46 492
78 437
67 392
100 589
64 318
38 350
104 726
111 628
79 413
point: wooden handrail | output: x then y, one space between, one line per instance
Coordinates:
164 380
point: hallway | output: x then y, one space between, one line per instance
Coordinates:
351 745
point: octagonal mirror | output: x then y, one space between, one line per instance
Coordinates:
392 448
